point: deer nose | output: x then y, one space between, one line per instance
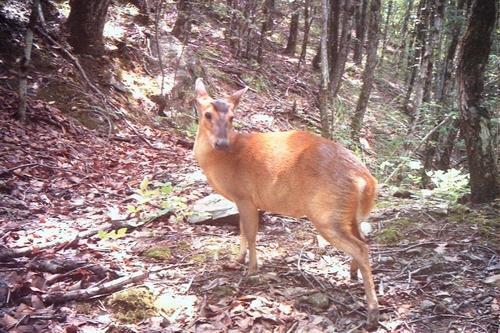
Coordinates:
222 144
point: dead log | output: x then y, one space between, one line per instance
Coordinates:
104 289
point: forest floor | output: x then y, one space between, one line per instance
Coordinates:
99 213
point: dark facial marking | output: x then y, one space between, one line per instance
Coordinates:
221 106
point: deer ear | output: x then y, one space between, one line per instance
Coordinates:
236 97
200 89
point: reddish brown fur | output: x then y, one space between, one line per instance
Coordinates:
291 173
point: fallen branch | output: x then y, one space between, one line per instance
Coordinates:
22 166
321 287
103 114
138 134
30 165
7 254
84 294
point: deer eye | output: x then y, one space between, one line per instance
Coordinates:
208 116
231 119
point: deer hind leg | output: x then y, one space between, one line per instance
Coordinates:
346 241
353 269
249 223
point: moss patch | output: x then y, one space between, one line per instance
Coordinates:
223 291
132 305
87 308
158 252
214 252
486 222
396 231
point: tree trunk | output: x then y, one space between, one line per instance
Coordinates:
250 15
475 119
333 34
386 29
267 12
316 62
86 24
231 33
360 17
323 90
25 63
446 145
182 25
368 73
403 53
343 48
443 94
415 81
291 45
444 89
431 144
308 20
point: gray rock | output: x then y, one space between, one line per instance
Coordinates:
318 301
493 280
427 304
215 209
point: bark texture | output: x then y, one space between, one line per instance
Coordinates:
182 25
25 63
360 18
291 44
325 79
475 120
369 72
86 25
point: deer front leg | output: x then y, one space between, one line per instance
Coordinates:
243 245
249 223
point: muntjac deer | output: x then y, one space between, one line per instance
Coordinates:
291 173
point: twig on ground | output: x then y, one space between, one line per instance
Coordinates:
75 61
138 134
7 254
293 327
171 266
321 288
22 166
406 248
105 116
106 288
30 165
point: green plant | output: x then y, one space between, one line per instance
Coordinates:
450 185
157 198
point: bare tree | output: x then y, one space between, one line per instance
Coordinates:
308 20
360 18
291 44
86 25
182 25
475 119
342 49
403 52
25 62
443 94
323 90
267 21
369 71
386 30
